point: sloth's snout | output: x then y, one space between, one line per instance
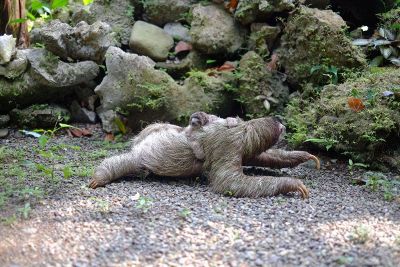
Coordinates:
195 122
281 127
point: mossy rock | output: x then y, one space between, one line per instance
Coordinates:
366 129
314 37
261 92
39 116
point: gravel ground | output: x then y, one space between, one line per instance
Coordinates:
182 223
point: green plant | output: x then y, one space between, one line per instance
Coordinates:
327 143
378 181
386 42
144 203
102 205
360 235
185 213
356 164
51 153
345 260
324 74
25 210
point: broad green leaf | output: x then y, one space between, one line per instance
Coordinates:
36 5
58 4
315 68
43 139
30 16
210 61
120 124
63 125
67 171
87 2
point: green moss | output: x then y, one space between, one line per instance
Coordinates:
329 117
257 85
316 38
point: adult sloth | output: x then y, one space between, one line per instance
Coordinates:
164 149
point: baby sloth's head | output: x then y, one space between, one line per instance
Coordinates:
198 119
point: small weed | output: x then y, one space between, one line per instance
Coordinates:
356 164
185 213
220 207
378 181
344 260
327 143
144 203
102 205
84 171
323 74
25 210
9 220
360 235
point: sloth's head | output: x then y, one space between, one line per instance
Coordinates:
198 119
261 134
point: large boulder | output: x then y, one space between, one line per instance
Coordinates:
133 87
150 40
360 117
46 79
7 48
82 42
119 14
249 11
161 12
313 38
214 31
260 91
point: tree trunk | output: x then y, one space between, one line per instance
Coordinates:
11 10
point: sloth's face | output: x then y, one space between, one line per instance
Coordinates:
198 119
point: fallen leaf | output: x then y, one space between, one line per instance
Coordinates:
232 5
182 46
77 132
109 137
226 67
86 132
355 104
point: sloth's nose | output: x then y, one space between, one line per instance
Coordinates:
195 122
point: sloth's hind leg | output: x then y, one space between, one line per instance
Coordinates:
113 168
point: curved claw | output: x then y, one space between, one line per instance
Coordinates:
303 191
93 184
316 160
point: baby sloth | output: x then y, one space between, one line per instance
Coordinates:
201 119
225 146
